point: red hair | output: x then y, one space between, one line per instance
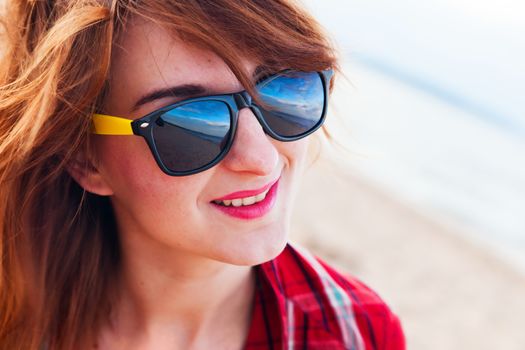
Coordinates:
59 250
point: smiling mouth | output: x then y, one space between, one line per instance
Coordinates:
244 198
245 209
237 202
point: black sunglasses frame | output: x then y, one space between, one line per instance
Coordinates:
235 102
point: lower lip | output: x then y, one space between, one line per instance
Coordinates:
253 211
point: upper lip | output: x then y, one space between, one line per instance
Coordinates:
247 193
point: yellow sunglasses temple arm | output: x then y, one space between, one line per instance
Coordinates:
110 125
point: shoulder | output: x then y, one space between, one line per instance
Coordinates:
379 326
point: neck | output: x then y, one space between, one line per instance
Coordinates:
183 295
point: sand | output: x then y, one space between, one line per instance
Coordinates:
450 292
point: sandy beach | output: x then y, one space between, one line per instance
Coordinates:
449 292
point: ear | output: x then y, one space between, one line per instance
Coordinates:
87 175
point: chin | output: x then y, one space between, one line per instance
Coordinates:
256 247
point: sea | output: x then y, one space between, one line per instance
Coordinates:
435 107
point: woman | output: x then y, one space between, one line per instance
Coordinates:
150 153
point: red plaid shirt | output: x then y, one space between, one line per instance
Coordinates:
302 303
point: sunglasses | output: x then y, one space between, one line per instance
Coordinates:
195 134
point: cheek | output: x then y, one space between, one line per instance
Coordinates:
137 181
295 152
146 200
125 162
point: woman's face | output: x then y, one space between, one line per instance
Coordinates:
177 213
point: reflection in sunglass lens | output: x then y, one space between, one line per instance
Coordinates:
192 135
293 102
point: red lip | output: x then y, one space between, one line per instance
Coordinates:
247 193
254 211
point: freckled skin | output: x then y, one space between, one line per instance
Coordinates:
173 215
186 279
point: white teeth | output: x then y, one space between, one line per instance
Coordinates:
243 201
260 196
248 201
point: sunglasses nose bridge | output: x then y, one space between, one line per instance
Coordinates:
243 100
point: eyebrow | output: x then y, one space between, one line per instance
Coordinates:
182 91
186 90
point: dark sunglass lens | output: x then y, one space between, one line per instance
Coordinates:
293 102
192 135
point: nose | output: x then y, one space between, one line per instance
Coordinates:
251 151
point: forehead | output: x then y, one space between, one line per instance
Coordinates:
148 57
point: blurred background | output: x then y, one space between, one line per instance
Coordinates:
427 206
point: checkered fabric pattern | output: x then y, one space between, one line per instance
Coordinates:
303 303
